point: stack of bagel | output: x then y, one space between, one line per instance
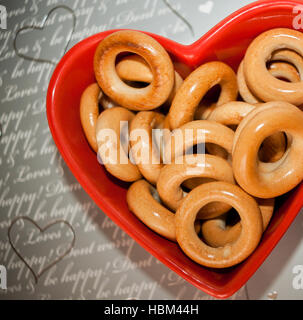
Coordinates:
204 174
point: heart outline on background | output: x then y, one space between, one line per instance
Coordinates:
41 27
50 265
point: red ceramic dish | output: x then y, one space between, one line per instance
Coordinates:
226 42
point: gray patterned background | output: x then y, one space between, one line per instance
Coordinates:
104 263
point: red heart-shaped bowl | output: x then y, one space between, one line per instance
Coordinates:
226 42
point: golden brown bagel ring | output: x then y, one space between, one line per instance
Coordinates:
228 114
117 162
216 234
201 131
244 91
177 84
268 180
276 69
173 175
196 85
143 200
147 156
146 98
259 53
230 254
89 112
232 113
272 148
135 68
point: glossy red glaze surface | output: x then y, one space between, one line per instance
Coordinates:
226 42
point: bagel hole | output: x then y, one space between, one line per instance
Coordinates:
229 219
217 209
283 79
269 64
136 84
192 183
232 218
212 94
273 147
129 75
106 102
154 193
216 150
208 103
195 149
270 61
233 127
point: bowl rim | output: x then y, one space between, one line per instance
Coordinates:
189 52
